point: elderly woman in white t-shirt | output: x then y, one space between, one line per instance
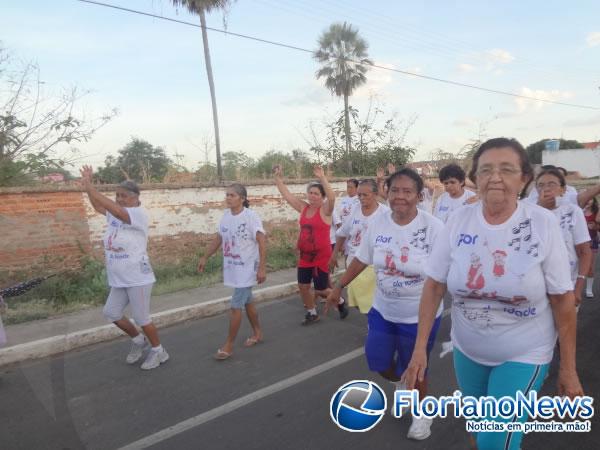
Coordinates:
551 185
397 243
506 266
350 235
128 269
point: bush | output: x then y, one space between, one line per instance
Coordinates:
87 287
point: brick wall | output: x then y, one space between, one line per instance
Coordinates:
44 230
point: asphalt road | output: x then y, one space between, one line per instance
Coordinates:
273 396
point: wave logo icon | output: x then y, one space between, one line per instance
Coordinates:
358 406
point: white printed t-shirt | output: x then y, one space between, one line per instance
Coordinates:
427 203
125 250
574 230
398 254
356 227
341 213
335 222
446 204
240 248
346 204
499 277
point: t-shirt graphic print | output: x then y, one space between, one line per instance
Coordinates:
240 248
499 277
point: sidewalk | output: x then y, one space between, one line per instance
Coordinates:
41 338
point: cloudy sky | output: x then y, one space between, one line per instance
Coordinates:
153 70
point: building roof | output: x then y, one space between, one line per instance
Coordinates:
591 145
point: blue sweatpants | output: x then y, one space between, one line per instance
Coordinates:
477 380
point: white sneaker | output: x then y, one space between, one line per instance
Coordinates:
155 359
420 428
136 351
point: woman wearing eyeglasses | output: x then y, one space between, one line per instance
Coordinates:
350 236
505 323
551 185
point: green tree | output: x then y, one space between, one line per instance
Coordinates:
535 150
201 7
237 165
138 160
207 172
380 139
297 163
344 62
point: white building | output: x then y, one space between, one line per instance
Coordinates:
586 161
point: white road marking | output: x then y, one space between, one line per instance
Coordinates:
240 402
219 411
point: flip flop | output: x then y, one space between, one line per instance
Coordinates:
252 341
222 355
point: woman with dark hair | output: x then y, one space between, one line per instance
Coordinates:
314 242
592 218
452 177
128 269
242 237
350 235
343 209
551 185
504 330
397 243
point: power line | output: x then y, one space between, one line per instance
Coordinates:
378 27
390 69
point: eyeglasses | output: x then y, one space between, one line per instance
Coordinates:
549 185
505 171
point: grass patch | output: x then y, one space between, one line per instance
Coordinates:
86 287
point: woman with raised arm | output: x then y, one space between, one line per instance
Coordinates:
314 242
128 269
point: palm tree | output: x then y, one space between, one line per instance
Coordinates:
344 63
201 7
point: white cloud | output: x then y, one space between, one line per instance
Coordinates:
464 122
490 61
524 104
499 56
377 81
593 39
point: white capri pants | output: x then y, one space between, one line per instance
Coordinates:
137 297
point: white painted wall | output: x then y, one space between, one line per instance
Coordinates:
198 210
584 161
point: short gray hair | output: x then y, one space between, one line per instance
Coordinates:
131 186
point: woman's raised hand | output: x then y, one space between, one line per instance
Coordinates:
319 172
277 171
87 174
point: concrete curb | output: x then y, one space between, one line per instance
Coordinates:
70 341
